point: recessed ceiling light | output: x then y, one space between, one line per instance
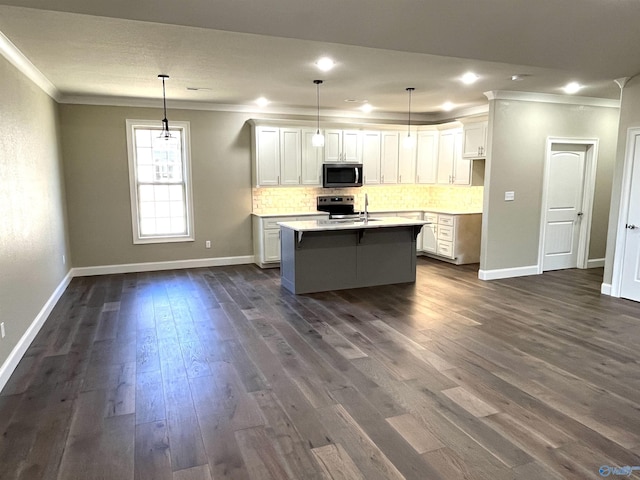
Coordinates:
366 108
469 78
262 102
325 64
447 106
517 77
572 87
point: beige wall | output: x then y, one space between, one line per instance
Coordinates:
98 200
518 134
629 118
32 212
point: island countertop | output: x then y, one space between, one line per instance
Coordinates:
332 225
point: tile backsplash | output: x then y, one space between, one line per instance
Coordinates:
268 200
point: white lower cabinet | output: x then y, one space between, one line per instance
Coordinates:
430 233
266 237
455 238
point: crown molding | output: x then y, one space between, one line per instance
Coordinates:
14 56
551 98
250 109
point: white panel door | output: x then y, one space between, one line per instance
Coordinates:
389 157
268 155
351 146
446 153
290 152
407 163
565 192
311 166
371 157
630 286
427 157
333 145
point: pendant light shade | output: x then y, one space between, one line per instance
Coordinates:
318 139
166 134
409 141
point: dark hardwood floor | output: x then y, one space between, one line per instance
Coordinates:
218 373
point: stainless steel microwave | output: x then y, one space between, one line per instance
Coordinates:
341 175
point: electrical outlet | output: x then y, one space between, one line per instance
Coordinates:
207 244
2 333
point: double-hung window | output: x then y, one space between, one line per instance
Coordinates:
160 182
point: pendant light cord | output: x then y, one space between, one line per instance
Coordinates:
318 83
165 123
410 90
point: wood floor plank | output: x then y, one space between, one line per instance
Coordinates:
97 444
194 473
152 458
219 373
336 463
185 438
418 437
364 452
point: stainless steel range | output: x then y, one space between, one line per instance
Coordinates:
338 206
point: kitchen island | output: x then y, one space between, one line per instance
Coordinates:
321 255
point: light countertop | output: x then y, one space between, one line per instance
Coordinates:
289 214
332 225
447 211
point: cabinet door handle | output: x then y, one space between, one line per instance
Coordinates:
278 179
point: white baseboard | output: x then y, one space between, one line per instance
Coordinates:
155 266
507 272
605 289
595 263
10 364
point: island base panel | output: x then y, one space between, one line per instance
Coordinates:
336 260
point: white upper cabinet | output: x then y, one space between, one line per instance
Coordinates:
389 157
407 160
266 149
371 157
475 140
427 157
283 155
342 146
312 157
452 168
290 151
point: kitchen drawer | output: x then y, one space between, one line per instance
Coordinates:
445 249
431 217
445 233
272 222
446 220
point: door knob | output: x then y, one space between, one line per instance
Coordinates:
631 227
580 214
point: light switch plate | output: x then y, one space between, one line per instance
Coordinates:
509 196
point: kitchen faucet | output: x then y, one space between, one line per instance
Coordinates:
366 207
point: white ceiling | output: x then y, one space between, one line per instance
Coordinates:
238 50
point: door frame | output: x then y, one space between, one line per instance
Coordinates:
623 212
590 168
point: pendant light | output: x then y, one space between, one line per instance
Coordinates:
166 134
318 139
408 141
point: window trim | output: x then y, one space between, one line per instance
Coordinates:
184 127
